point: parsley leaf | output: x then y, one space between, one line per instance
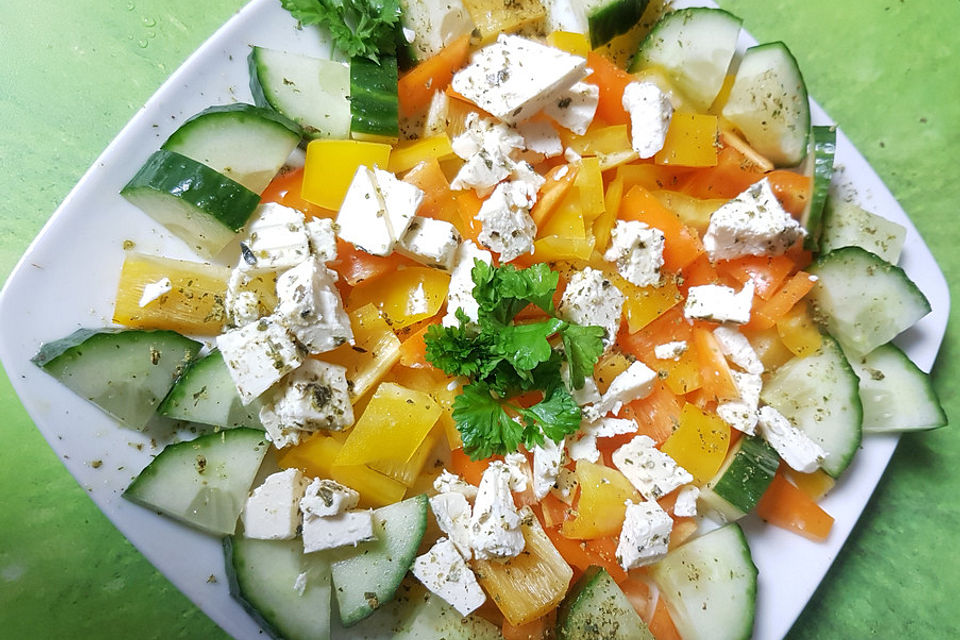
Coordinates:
461 350
557 415
583 346
503 292
526 345
363 28
485 427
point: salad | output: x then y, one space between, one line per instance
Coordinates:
550 341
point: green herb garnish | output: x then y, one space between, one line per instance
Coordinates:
362 28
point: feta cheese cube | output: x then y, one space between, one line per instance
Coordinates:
362 219
490 149
154 290
453 513
565 488
257 355
506 225
645 537
587 394
270 512
525 177
315 396
276 239
431 242
324 498
241 303
443 571
547 462
686 504
583 446
738 349
323 238
541 139
650 114
519 470
670 350
514 77
495 524
448 482
592 300
402 200
742 414
652 472
637 250
309 306
341 530
793 445
460 293
754 223
718 303
574 108
632 384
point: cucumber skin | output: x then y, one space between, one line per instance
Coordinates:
614 19
824 152
374 104
751 477
243 108
171 403
594 589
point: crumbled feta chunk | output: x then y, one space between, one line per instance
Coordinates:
309 306
587 394
754 223
583 446
241 303
547 462
738 349
154 290
323 238
362 219
566 485
489 149
741 414
495 524
315 396
574 108
270 512
670 350
436 121
519 470
525 177
325 498
570 155
443 571
276 239
341 530
791 444
431 242
718 303
513 78
506 225
637 250
645 537
632 384
686 504
402 200
257 355
650 113
453 514
539 137
651 471
460 293
592 300
448 482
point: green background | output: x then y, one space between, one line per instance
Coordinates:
75 72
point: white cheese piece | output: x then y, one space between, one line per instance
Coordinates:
637 250
154 290
362 219
435 24
583 446
540 138
754 223
443 571
514 78
574 108
257 355
650 114
325 497
738 349
313 397
645 537
490 150
587 394
453 513
591 299
448 482
547 462
276 239
523 175
632 384
793 446
460 293
436 120
495 524
401 199
241 303
570 155
686 504
519 469
309 306
270 512
742 414
431 242
341 530
506 225
718 303
652 472
323 238
670 350
565 488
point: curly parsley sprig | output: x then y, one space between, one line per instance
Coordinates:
362 28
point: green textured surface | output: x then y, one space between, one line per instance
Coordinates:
886 70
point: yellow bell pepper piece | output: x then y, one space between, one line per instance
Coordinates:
798 331
330 166
409 155
611 145
567 221
375 350
645 304
601 508
589 187
575 43
815 485
700 443
693 212
404 296
438 385
493 17
769 347
406 472
606 220
555 248
609 366
691 141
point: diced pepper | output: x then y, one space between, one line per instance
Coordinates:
792 190
331 164
798 331
657 415
355 265
409 155
575 43
699 444
375 351
612 80
416 87
717 381
681 244
770 311
787 507
285 189
404 296
691 141
601 508
555 188
767 273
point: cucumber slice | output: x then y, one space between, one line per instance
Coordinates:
819 394
374 105
710 586
896 394
694 46
312 92
824 141
205 393
596 609
368 576
601 20
768 103
124 372
847 225
204 482
864 301
203 208
247 144
435 24
262 575
740 483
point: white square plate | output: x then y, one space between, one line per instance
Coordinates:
67 279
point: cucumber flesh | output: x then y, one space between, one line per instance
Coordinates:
596 609
847 225
600 20
203 208
205 393
896 394
710 586
247 144
695 47
740 483
126 373
262 575
368 576
819 394
864 301
203 482
374 104
313 92
768 103
824 144
435 24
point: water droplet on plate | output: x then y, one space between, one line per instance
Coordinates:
149 22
